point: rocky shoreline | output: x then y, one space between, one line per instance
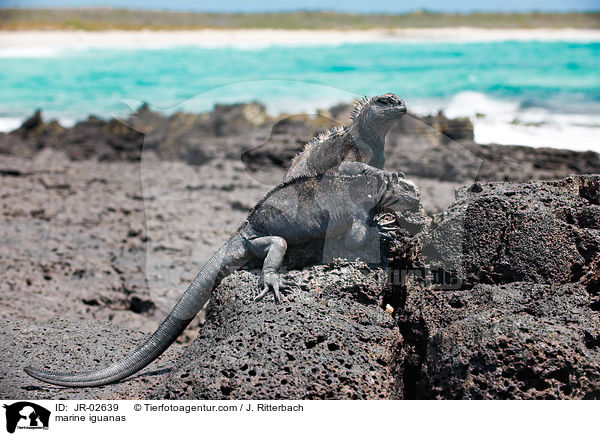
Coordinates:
110 220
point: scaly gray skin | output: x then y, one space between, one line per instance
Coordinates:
361 141
297 211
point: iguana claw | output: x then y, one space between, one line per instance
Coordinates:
278 285
386 237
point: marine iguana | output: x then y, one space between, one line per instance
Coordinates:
361 141
302 209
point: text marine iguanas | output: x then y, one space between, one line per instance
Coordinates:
361 141
315 207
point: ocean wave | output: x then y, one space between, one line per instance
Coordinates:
495 120
519 122
564 136
8 124
474 104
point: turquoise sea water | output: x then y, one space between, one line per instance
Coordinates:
518 82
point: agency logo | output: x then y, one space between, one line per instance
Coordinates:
26 415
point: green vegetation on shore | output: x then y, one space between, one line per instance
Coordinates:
126 19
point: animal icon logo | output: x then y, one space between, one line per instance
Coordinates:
26 415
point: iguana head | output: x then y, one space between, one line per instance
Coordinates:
399 193
379 112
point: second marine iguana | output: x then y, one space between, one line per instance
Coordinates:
306 208
361 141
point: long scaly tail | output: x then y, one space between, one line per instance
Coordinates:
229 257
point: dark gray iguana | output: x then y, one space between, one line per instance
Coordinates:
302 209
361 141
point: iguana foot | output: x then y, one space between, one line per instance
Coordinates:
274 283
386 224
386 237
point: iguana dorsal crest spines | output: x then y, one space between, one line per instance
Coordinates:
362 140
325 136
359 104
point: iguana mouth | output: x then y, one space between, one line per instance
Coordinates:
395 111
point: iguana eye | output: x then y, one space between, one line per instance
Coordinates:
385 100
389 99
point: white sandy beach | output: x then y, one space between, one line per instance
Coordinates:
40 40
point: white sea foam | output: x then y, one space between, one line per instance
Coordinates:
494 120
497 121
66 121
471 104
564 136
8 124
29 52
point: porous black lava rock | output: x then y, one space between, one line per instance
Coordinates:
432 147
497 297
329 339
538 232
520 316
197 139
514 341
286 139
517 163
93 138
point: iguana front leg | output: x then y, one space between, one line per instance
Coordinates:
359 234
272 249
